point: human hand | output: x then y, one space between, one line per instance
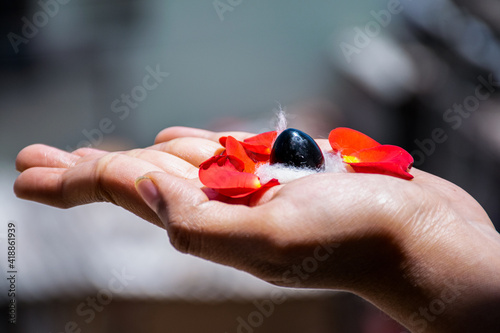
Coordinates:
63 179
397 243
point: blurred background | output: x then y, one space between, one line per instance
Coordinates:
111 74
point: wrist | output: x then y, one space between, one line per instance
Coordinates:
451 284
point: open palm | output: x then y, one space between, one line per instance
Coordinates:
358 232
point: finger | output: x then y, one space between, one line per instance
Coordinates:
40 184
85 151
234 235
89 155
39 155
323 144
167 162
192 150
180 132
109 179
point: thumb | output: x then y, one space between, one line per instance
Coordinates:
160 190
235 235
175 201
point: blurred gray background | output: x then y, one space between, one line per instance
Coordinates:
65 79
76 73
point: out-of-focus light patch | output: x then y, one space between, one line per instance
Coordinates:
464 32
486 126
286 174
382 67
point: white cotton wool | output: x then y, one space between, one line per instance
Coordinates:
286 174
280 121
334 162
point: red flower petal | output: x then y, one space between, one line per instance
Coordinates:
258 147
223 174
348 141
235 163
236 149
240 192
261 143
383 159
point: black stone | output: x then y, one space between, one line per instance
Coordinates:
297 149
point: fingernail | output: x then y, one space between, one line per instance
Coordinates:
148 191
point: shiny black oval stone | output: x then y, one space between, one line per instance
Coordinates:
297 149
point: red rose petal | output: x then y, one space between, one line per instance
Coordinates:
348 141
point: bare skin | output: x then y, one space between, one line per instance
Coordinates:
424 251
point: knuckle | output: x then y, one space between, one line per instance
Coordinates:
82 151
181 238
101 186
137 153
